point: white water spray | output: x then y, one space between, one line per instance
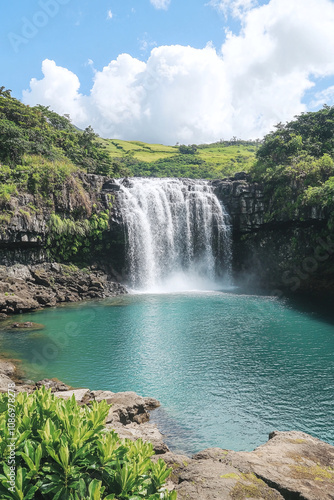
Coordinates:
178 237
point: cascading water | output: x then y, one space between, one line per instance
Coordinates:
178 237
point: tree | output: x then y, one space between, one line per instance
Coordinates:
5 92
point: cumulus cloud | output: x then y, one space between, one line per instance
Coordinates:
182 94
160 4
59 90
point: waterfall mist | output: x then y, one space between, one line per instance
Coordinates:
178 236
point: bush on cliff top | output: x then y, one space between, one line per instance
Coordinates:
296 164
39 131
64 452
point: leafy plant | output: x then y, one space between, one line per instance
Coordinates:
64 452
69 238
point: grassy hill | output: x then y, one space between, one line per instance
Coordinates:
221 159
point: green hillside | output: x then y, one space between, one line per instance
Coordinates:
221 159
38 139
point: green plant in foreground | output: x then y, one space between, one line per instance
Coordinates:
64 452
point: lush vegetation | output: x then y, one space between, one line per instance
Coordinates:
64 452
70 240
296 164
37 130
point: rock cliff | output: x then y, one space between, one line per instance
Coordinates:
273 251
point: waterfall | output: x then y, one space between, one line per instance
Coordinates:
177 233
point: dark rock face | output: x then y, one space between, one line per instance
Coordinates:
244 203
24 230
294 254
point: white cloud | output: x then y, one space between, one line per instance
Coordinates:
59 89
188 95
234 7
160 4
109 15
326 96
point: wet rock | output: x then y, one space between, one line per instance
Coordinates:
26 324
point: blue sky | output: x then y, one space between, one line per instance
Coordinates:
171 70
82 30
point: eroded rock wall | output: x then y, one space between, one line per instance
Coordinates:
279 253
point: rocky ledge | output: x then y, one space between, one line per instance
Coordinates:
291 465
26 288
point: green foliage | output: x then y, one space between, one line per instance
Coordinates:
322 196
70 239
39 131
6 192
310 134
296 164
206 161
188 150
63 452
36 175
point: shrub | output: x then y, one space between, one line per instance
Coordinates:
6 192
64 452
69 238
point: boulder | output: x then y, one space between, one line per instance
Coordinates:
54 384
294 463
26 324
81 395
7 368
208 476
128 407
291 465
4 381
145 431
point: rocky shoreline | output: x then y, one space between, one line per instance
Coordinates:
291 465
26 288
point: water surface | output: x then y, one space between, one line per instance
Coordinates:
228 368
